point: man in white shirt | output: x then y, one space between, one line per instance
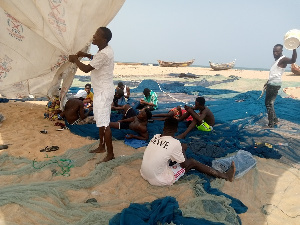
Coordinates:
164 148
101 68
274 83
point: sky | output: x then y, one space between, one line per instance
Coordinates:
217 30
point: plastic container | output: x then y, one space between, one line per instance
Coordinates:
292 39
243 160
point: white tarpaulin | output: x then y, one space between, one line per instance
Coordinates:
38 35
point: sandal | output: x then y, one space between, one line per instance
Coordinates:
49 149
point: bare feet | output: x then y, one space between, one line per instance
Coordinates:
106 158
100 149
230 173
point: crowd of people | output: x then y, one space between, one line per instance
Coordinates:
163 149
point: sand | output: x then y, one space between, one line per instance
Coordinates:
271 190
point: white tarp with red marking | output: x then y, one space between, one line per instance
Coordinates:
36 38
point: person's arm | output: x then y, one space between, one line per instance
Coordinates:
184 116
84 54
144 135
195 115
117 107
128 92
283 62
83 67
81 111
169 114
131 119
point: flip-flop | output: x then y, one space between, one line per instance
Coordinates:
53 148
44 149
49 149
3 147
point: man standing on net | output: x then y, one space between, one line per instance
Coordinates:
101 68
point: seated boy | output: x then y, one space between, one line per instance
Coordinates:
163 148
204 120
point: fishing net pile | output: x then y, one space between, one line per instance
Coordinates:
67 190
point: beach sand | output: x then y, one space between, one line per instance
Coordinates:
270 190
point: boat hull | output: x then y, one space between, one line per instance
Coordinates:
175 64
222 66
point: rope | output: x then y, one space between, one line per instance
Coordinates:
177 100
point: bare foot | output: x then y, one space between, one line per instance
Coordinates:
100 149
106 159
230 173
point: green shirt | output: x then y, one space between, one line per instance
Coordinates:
152 98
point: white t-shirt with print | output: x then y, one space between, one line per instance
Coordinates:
155 166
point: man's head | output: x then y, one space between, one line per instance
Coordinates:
147 92
171 124
102 36
145 114
81 94
88 88
121 85
277 51
200 102
119 93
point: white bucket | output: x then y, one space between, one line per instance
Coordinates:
292 39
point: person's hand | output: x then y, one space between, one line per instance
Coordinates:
81 54
129 136
142 101
73 58
186 107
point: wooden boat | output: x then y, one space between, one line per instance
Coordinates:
222 66
175 64
295 69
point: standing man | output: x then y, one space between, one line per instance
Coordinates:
101 67
274 83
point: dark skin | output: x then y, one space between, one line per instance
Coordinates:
74 109
88 90
189 164
127 90
169 114
137 123
277 53
204 114
104 132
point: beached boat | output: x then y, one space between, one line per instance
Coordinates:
295 69
175 64
222 66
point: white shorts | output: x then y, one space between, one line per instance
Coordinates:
102 107
178 171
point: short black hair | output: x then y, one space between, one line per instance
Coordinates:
200 100
88 85
171 123
146 91
279 45
148 113
119 92
120 84
106 33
